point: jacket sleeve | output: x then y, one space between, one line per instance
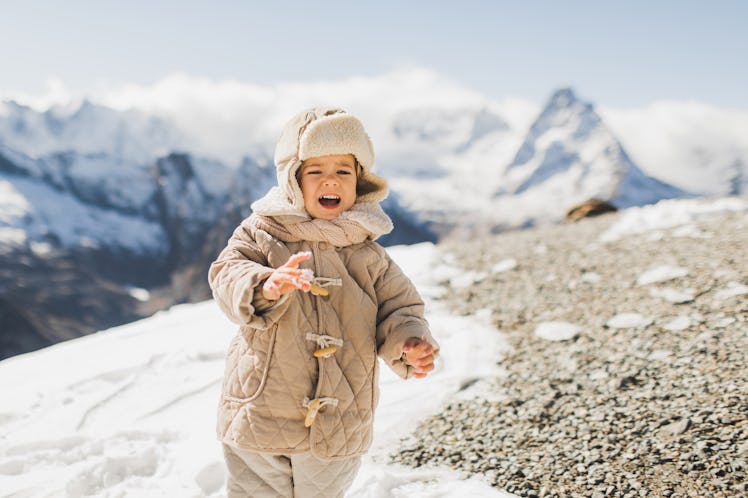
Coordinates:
236 279
399 318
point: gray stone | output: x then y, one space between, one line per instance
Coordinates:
605 414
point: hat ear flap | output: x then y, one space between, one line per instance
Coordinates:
370 187
293 184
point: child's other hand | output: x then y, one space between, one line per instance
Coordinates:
420 355
288 278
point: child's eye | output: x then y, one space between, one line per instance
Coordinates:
344 172
312 172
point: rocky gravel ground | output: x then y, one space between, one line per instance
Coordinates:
627 374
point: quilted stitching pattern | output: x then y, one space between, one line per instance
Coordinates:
269 416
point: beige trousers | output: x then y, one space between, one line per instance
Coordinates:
263 475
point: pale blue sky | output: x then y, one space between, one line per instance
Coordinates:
615 53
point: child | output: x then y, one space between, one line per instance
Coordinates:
316 300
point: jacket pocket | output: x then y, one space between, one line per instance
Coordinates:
247 365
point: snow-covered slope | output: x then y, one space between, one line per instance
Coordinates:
131 411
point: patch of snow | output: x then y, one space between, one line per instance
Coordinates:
139 293
674 296
659 354
466 279
504 265
733 289
557 331
661 273
681 322
691 231
591 277
670 214
628 321
12 237
724 322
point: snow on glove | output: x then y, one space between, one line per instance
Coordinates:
288 278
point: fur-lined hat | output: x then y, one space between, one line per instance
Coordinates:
320 132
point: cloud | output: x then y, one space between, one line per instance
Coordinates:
678 140
228 117
55 93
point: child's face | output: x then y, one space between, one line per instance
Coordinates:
328 184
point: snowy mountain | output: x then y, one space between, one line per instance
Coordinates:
445 163
138 202
87 128
468 171
92 239
569 156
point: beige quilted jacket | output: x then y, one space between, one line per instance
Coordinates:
273 379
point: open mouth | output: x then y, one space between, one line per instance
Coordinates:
329 200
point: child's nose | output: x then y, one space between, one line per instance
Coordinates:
330 180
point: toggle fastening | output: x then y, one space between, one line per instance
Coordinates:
319 291
328 344
319 284
325 352
313 407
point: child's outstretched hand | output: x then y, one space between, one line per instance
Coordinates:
420 355
288 278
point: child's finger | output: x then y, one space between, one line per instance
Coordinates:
424 348
289 273
297 258
417 346
271 290
422 360
410 344
419 375
424 369
302 284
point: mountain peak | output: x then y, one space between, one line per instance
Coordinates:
570 155
565 100
563 97
564 111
